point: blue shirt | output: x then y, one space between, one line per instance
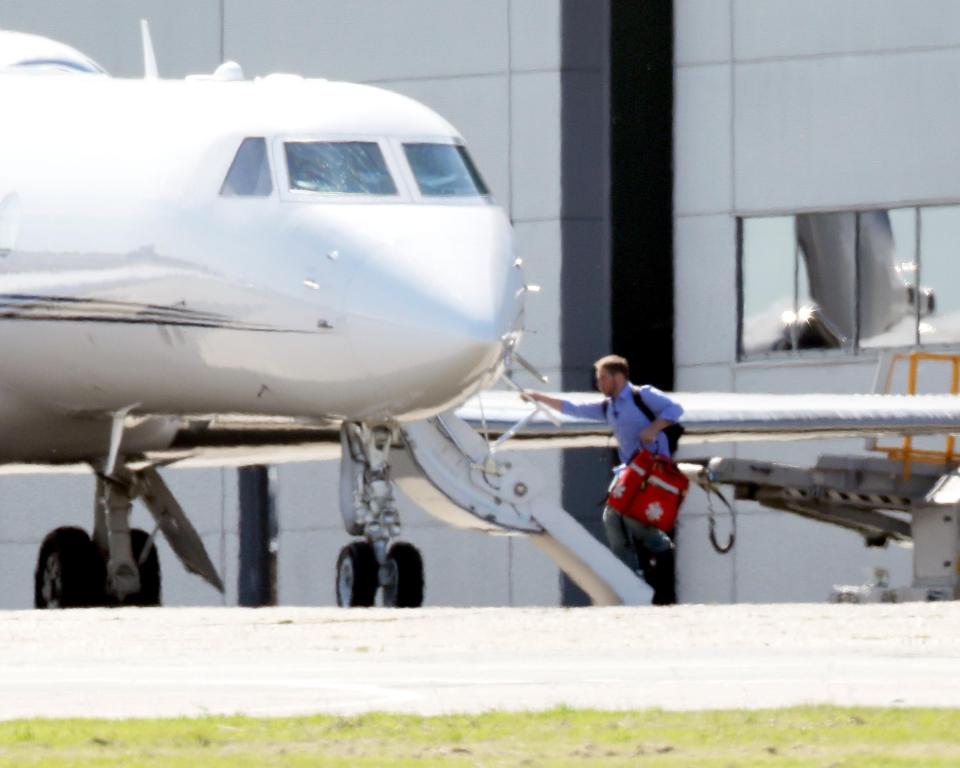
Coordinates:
628 421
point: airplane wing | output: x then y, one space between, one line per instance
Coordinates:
729 416
239 440
708 417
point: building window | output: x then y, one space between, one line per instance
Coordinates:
849 280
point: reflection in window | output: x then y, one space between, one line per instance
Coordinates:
940 273
338 167
850 280
444 170
249 174
888 275
768 261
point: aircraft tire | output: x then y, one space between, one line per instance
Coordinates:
149 594
407 592
357 576
70 571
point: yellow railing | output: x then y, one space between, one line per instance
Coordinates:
906 451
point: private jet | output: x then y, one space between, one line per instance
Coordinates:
225 270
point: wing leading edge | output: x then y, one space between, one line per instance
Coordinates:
708 417
737 416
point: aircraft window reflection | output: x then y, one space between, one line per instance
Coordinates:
769 263
849 280
338 167
249 174
939 275
444 170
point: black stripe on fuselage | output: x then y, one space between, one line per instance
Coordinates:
22 307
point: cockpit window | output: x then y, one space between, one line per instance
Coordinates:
444 170
249 174
338 167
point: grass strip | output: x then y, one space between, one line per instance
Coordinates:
800 736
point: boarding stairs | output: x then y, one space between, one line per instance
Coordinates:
449 470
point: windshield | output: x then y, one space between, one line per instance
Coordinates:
249 174
444 170
338 167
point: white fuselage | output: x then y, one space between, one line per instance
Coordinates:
126 278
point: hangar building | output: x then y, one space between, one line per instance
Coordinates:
653 158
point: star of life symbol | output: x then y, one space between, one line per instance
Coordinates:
654 511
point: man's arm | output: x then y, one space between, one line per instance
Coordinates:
666 410
554 402
654 428
592 411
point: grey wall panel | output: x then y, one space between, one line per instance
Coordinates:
535 28
306 566
705 289
535 146
368 39
478 107
18 560
535 579
810 373
847 131
704 378
185 33
703 576
539 244
702 134
701 31
782 28
785 558
35 504
307 497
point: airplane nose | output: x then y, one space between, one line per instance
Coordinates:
428 316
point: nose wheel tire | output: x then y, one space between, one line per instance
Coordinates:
70 571
357 571
406 590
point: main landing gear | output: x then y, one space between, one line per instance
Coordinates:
118 565
378 560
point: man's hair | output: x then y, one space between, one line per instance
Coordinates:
613 364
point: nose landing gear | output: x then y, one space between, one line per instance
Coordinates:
369 510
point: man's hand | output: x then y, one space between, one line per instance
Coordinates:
649 433
528 394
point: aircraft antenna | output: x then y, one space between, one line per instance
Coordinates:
149 58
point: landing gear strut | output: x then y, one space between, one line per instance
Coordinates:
369 510
118 565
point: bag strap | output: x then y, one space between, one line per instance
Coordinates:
720 549
638 399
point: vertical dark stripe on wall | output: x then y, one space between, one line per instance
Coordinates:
585 180
617 219
256 582
641 163
585 236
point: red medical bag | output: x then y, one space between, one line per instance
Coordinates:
649 489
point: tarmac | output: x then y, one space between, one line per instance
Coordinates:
171 662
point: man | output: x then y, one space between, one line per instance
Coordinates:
633 430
